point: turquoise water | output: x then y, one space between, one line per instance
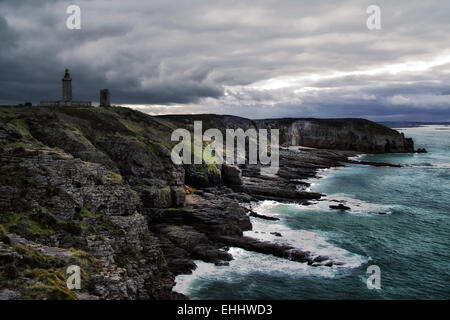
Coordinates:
410 242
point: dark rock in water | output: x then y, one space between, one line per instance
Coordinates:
221 263
340 207
421 150
277 249
277 234
261 216
382 213
320 258
375 164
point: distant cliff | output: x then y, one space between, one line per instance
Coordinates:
339 134
96 187
343 134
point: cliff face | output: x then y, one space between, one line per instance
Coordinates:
338 134
351 134
96 187
66 198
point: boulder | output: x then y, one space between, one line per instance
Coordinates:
231 175
340 207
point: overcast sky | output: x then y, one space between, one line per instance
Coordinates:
256 59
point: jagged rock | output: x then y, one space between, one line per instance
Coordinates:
262 216
202 176
321 258
340 206
277 234
232 175
375 164
276 249
6 294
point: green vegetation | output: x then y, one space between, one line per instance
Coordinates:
93 223
21 224
126 255
34 259
7 115
3 235
22 124
41 276
203 169
13 145
88 264
50 285
37 224
86 213
115 178
132 126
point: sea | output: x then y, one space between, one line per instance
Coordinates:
399 221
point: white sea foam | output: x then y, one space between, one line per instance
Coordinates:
247 262
316 242
427 165
357 157
356 206
313 241
320 174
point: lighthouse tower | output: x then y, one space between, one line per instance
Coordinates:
67 87
66 95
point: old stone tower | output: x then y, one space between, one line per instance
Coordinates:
105 100
66 100
67 87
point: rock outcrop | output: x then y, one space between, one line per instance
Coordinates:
347 134
231 175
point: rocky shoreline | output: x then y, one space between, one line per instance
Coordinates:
96 187
296 168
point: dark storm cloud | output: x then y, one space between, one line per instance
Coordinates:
258 59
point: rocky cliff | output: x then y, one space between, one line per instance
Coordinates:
95 187
347 134
338 134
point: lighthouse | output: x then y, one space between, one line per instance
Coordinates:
66 100
67 87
